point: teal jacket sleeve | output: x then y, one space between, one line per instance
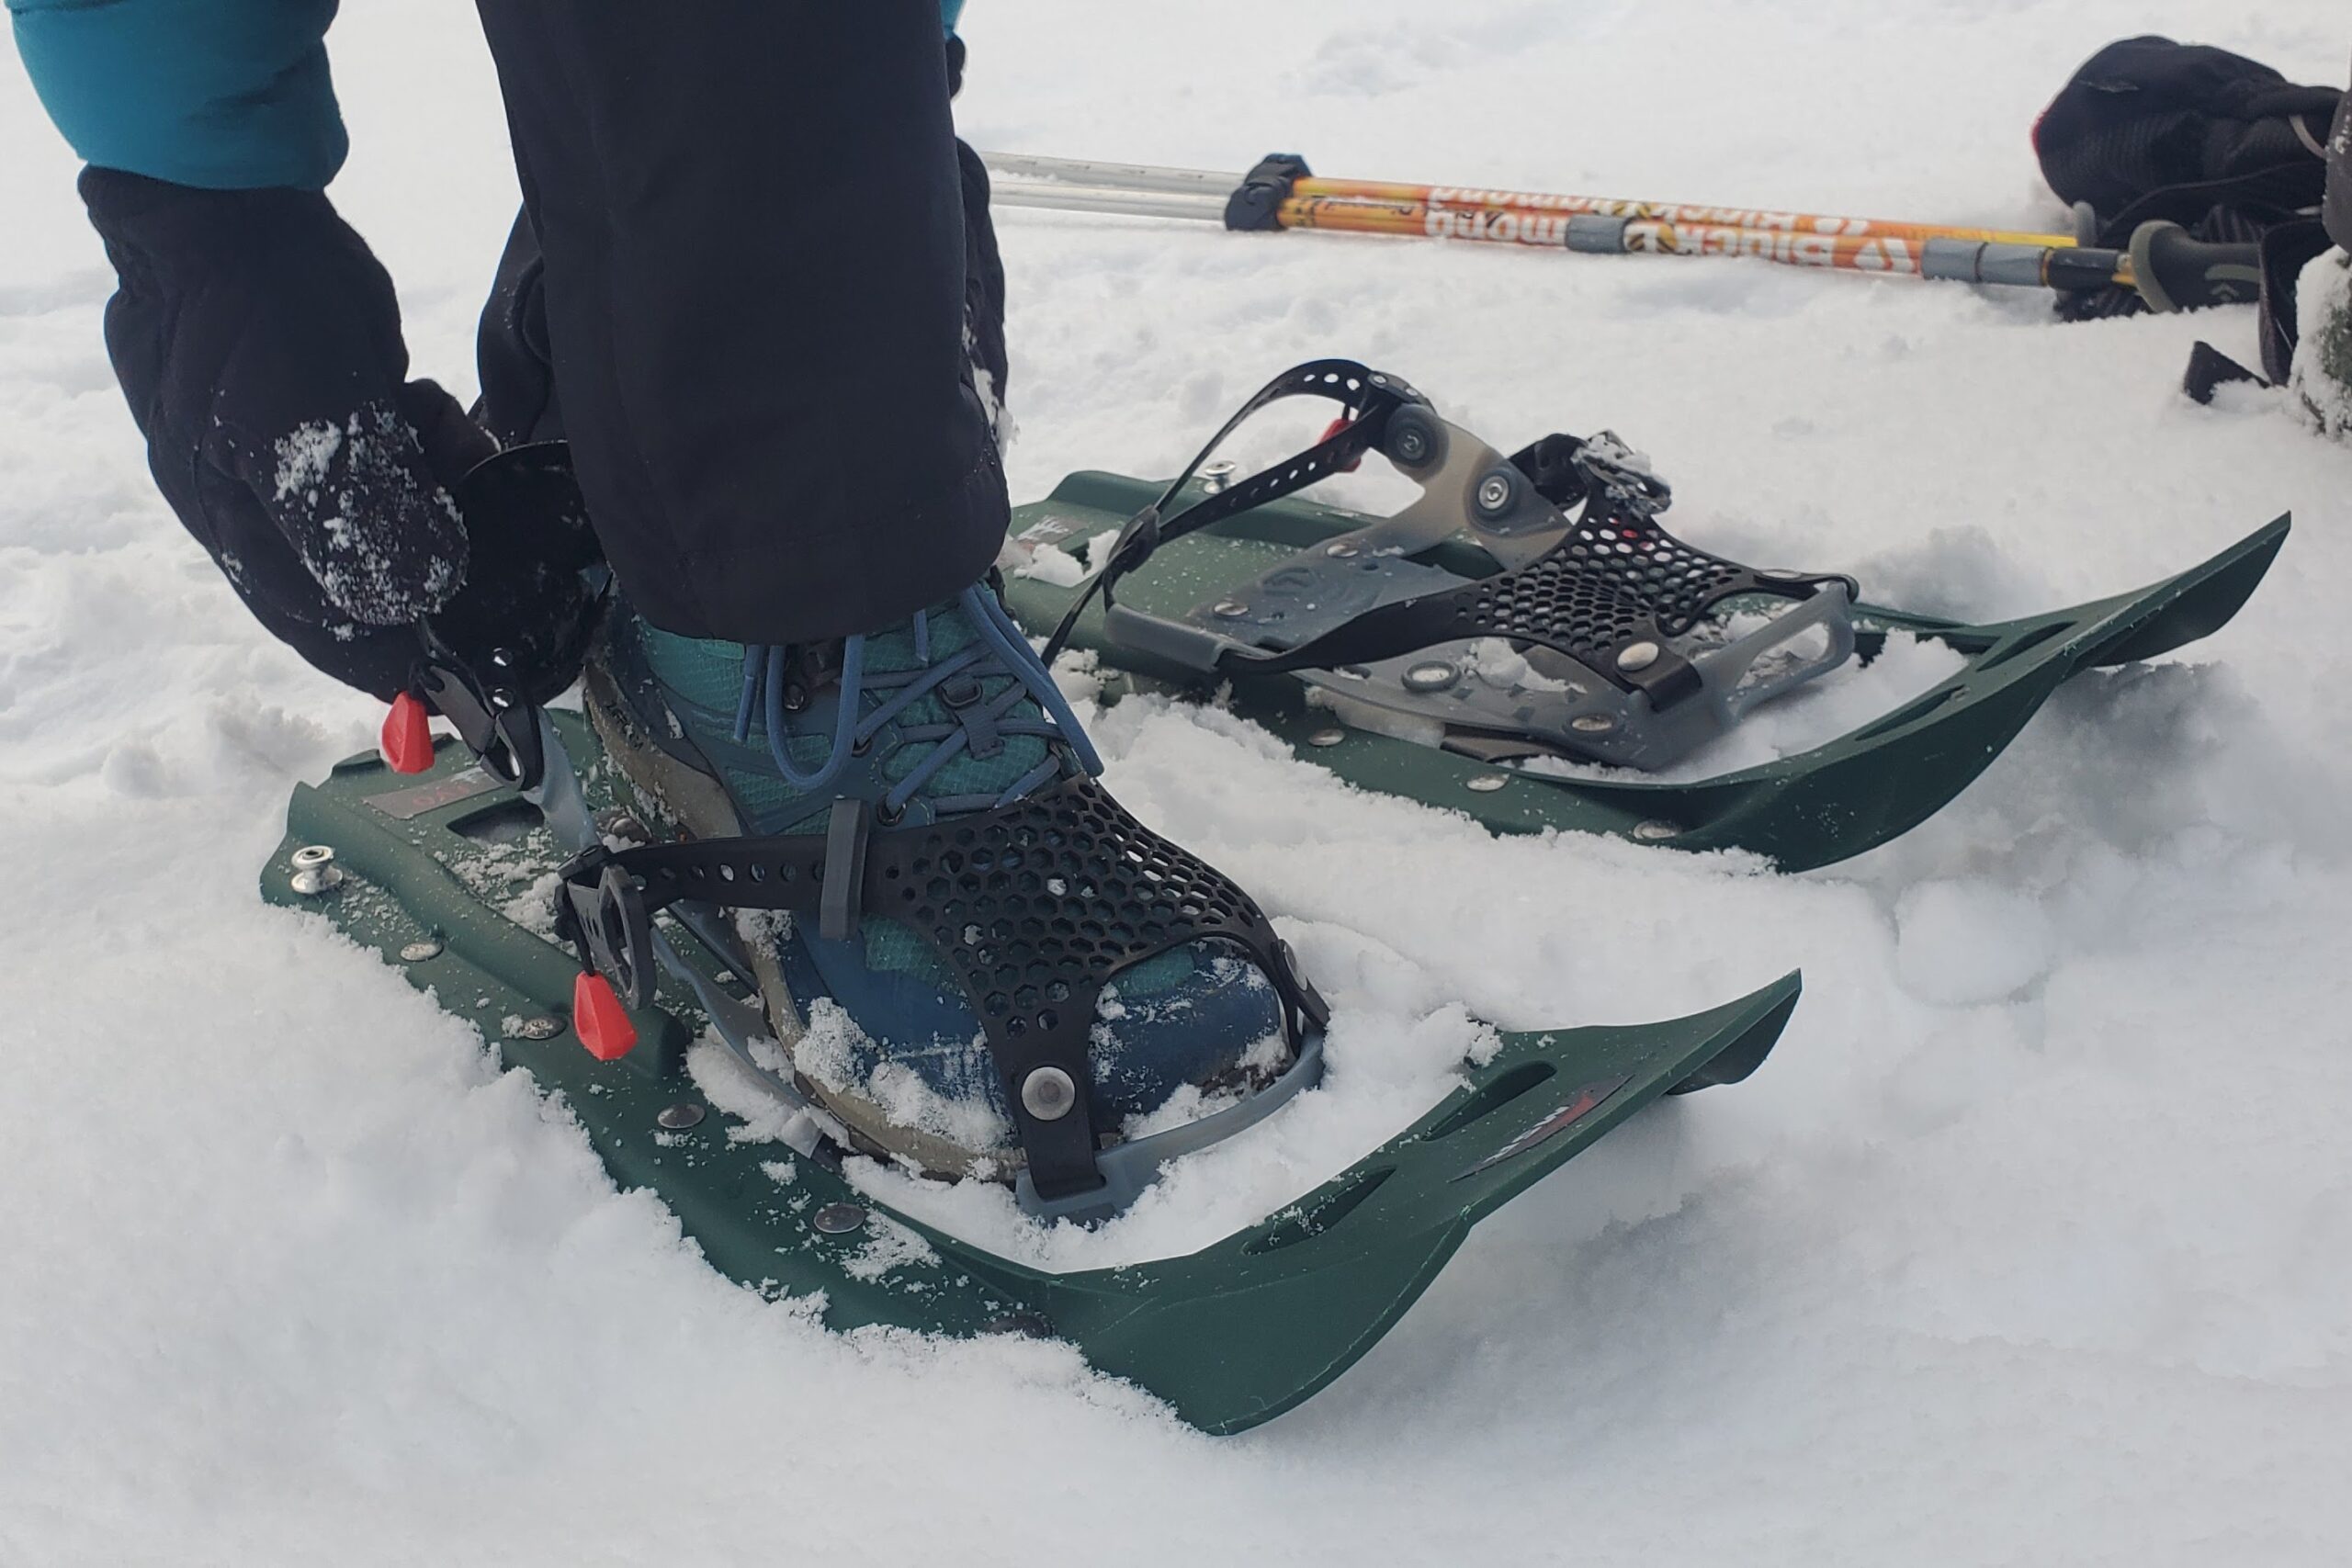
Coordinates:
223 95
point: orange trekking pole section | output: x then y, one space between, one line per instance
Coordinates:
1682 214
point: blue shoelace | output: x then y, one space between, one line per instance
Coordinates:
1002 650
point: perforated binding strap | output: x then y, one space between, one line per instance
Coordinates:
1369 396
1034 907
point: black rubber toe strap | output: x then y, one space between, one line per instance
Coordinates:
1034 907
1370 397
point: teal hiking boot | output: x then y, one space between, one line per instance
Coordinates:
978 962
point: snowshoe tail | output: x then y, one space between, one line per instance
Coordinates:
1240 1332
444 874
1805 810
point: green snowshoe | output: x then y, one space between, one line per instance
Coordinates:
438 874
1524 641
633 993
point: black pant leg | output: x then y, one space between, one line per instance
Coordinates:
754 292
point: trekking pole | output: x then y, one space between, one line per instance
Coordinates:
1302 183
2167 268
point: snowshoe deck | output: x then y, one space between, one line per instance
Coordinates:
1810 810
445 873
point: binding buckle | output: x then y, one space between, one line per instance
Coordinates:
491 716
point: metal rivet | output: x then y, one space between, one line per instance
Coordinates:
1412 444
837 1219
1593 723
1047 1093
1326 738
1485 783
314 870
1434 676
1342 550
679 1117
1494 493
1232 609
538 1029
1218 475
1654 830
1637 656
418 952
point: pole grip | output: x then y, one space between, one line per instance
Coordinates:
2175 271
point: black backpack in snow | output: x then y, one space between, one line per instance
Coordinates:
2150 129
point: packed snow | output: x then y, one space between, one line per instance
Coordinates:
2031 1242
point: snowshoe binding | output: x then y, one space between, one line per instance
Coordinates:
1525 639
444 864
987 967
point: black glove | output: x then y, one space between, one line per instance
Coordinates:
259 344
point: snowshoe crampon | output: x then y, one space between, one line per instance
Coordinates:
1530 610
443 872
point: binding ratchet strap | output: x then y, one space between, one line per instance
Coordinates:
1034 906
492 717
1368 397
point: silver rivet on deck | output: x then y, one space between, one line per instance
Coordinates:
1218 475
1636 656
1592 723
1485 783
1047 1093
1340 551
541 1028
837 1219
314 870
1232 609
679 1117
1654 830
1326 738
418 952
1435 675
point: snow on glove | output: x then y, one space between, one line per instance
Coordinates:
258 342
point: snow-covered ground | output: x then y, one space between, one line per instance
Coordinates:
2033 1243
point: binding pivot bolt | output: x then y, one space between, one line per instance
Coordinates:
1494 496
1636 656
1047 1093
